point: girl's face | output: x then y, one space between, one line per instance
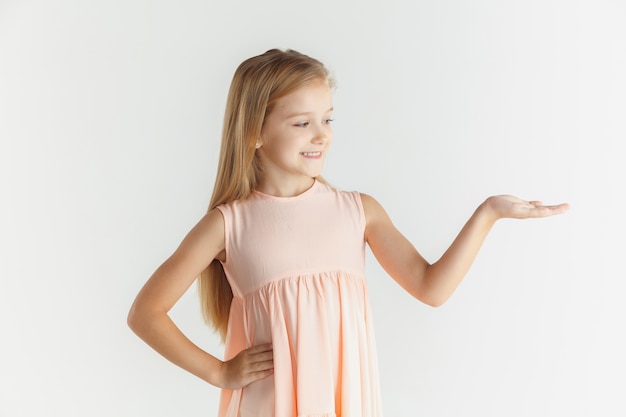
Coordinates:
295 138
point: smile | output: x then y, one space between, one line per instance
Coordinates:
311 154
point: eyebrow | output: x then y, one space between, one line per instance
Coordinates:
306 113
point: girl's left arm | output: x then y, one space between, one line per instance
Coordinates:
434 283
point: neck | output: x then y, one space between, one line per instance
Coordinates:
283 188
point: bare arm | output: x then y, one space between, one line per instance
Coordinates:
149 319
434 283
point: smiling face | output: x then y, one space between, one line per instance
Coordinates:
294 140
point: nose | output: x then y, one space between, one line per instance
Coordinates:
322 135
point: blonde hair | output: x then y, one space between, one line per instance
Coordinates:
256 86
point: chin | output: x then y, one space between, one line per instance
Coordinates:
315 174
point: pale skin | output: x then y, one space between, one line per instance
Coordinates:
292 146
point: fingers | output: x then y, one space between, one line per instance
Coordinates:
540 210
261 361
250 365
266 347
258 363
514 207
260 355
255 376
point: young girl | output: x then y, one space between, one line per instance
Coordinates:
281 258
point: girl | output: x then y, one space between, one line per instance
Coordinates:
281 258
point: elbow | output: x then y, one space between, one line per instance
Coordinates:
436 303
143 316
431 299
430 290
138 318
133 319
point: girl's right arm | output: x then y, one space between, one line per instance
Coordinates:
149 319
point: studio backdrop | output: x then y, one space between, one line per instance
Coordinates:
110 121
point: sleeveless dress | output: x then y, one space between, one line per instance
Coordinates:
296 267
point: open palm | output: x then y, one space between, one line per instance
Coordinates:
508 206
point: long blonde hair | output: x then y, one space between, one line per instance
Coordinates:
256 86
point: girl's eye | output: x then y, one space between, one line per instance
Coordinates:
306 124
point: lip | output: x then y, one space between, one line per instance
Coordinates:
312 155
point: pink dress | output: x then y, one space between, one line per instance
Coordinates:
296 267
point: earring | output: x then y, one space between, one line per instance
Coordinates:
258 145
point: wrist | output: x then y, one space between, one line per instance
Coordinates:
488 212
215 375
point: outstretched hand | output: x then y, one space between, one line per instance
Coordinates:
248 366
508 206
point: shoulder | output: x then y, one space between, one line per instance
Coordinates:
371 206
230 208
205 241
370 210
324 187
368 204
211 223
368 201
346 198
376 218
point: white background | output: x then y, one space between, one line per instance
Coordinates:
110 119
